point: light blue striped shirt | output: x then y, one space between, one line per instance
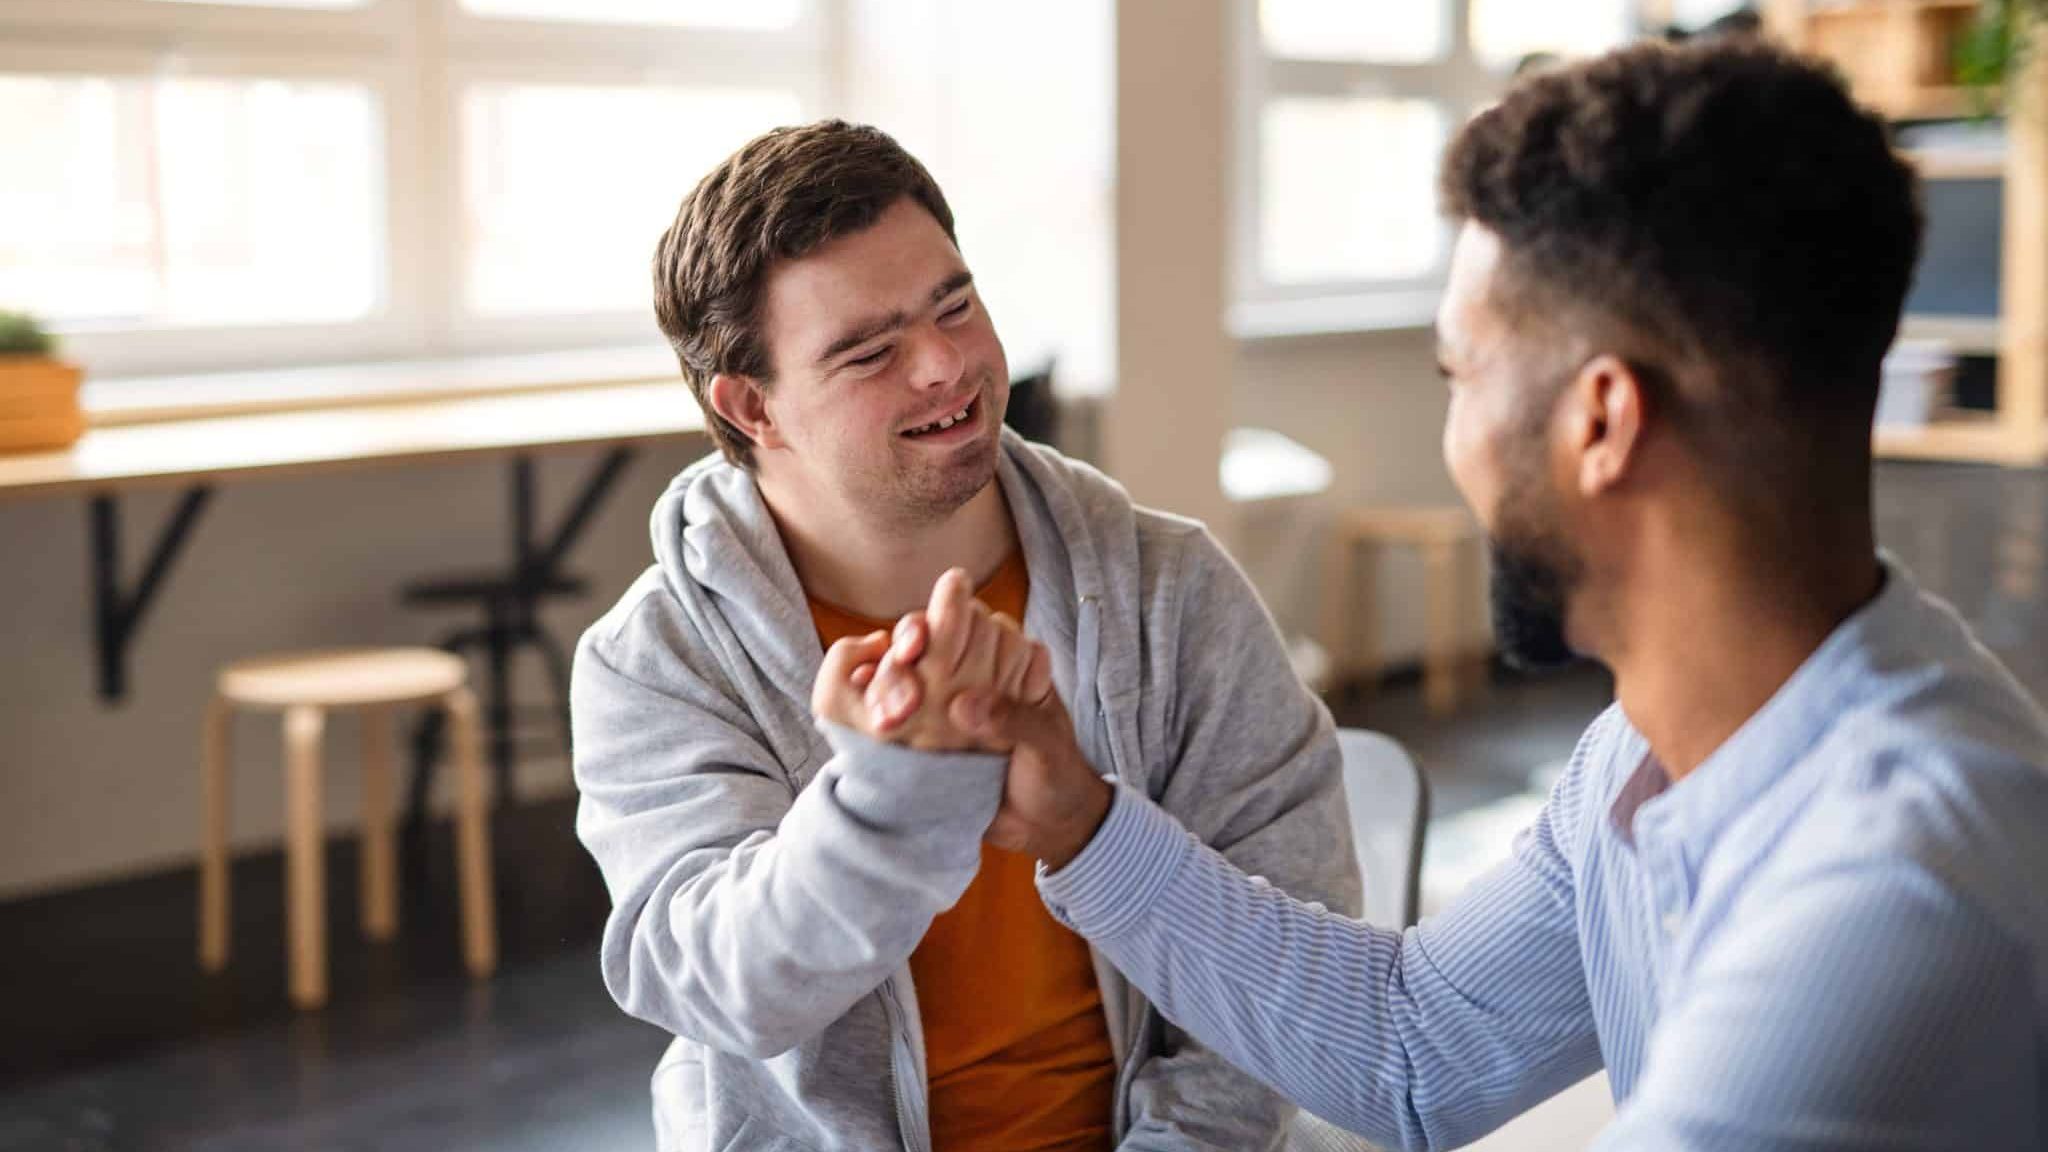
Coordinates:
1830 935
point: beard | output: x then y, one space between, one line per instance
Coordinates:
1534 574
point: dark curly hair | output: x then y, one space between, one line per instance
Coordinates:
1723 209
780 197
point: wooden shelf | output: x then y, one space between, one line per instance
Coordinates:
1896 54
1898 58
1964 439
1948 102
1957 164
1965 335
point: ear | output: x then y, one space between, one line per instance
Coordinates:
1608 408
742 402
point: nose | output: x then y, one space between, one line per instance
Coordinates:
936 361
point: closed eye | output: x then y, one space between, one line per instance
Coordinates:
958 310
871 359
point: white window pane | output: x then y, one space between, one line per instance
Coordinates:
1504 31
1692 14
1347 190
762 15
566 189
134 201
1386 31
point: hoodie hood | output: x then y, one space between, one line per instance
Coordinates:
720 554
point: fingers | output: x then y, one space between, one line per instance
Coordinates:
835 681
844 656
1037 685
1013 656
911 635
997 722
979 661
951 619
893 694
994 722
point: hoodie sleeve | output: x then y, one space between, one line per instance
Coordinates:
743 917
1252 768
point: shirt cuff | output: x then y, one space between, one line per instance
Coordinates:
1113 883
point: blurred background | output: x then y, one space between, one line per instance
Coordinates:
342 338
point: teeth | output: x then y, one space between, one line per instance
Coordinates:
947 422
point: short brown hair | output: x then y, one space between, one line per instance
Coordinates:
779 197
1726 202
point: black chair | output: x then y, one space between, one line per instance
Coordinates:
508 600
1034 411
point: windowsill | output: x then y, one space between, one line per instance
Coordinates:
154 399
1403 311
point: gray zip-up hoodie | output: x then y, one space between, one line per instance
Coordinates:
770 876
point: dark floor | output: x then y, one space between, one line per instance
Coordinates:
1511 727
113 1040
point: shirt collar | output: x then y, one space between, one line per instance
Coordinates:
1696 809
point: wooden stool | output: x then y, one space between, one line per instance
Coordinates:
304 686
1443 536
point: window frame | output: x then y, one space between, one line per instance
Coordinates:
415 57
1459 83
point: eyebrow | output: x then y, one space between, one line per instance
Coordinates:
868 330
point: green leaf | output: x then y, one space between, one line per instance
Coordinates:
20 335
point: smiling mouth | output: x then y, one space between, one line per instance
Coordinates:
940 425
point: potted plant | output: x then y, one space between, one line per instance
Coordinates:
1995 48
38 392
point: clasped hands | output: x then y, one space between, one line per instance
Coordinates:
957 677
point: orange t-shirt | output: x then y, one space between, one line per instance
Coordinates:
1016 1044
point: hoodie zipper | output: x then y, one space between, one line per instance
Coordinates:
911 1122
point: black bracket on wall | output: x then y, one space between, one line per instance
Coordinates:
117 615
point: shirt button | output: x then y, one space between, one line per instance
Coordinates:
1316 906
1261 882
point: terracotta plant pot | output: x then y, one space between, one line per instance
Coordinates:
38 404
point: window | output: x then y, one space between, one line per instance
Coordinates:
536 156
195 184
1348 107
202 184
765 15
142 201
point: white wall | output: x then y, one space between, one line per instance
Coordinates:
1371 403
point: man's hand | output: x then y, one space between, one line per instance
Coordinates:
956 677
900 691
1053 802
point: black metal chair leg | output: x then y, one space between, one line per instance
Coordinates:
427 735
558 673
498 647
